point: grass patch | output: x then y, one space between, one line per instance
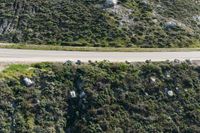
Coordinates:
15 70
98 49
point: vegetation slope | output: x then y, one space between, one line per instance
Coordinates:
113 98
142 23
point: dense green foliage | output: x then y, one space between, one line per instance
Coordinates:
142 23
118 98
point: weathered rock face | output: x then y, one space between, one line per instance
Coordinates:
123 14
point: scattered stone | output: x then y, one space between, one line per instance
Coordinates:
73 94
28 82
148 61
172 24
177 90
82 94
170 93
155 21
176 61
110 3
168 75
158 6
38 101
153 79
68 62
78 62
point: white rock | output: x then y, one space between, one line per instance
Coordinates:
73 94
38 101
28 82
170 93
168 75
153 79
111 2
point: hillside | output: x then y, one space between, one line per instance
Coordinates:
142 23
100 97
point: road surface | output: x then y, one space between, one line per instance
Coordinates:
31 56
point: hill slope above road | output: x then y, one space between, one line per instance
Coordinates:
144 23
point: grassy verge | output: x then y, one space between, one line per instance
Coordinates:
102 49
15 70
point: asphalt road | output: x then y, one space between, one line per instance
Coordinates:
30 56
